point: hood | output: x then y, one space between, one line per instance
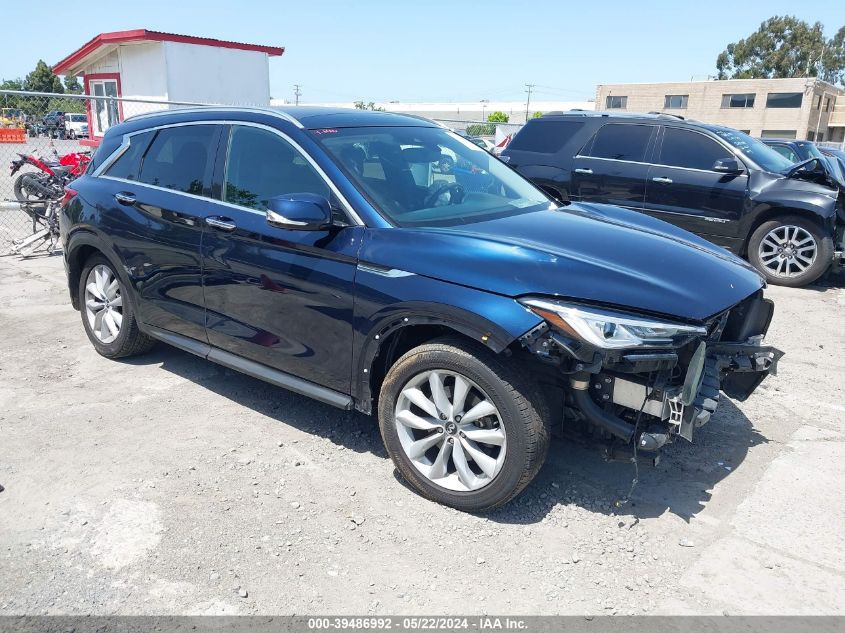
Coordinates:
589 252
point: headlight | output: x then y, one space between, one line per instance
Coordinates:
608 329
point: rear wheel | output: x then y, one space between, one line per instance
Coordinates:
463 428
107 312
790 251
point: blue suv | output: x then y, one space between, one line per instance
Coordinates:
324 251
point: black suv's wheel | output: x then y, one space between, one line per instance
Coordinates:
463 428
107 312
790 251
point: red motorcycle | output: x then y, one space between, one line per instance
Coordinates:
49 181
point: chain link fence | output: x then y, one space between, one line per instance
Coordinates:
45 141
498 134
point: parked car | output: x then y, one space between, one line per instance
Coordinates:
805 152
837 155
717 182
306 248
54 124
76 125
483 143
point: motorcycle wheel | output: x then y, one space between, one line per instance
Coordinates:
24 193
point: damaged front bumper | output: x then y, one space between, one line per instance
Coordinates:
646 397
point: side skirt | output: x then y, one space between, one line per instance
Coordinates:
251 368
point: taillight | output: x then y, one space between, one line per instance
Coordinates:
70 194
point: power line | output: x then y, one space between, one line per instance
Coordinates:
528 87
296 93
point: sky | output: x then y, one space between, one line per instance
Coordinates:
438 50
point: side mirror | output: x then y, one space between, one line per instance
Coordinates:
299 212
727 166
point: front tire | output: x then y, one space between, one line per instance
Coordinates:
463 428
107 312
790 251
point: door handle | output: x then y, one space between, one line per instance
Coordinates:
582 170
662 180
221 224
125 198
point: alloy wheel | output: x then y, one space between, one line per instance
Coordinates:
450 430
103 304
788 251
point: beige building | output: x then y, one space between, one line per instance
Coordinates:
783 108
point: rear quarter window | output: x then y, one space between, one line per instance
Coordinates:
545 137
128 165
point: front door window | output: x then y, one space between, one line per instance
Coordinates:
105 111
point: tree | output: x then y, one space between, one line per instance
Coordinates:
784 46
833 62
536 115
497 117
360 105
72 85
42 79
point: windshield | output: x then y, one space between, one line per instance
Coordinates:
756 150
421 176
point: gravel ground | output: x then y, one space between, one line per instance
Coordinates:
170 485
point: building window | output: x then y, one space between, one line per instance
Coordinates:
819 137
784 99
778 134
827 105
818 102
614 102
675 102
744 100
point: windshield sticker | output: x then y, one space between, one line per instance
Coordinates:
327 130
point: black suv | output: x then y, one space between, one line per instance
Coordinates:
714 181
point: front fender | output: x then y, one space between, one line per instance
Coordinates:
387 301
778 196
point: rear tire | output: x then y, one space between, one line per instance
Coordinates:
513 435
790 251
108 315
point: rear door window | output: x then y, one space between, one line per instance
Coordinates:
691 150
545 137
180 158
621 141
128 164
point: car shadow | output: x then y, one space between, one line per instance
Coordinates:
350 429
681 483
574 473
833 280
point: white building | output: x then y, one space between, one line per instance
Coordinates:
142 64
466 110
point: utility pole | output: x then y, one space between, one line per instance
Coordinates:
296 93
528 88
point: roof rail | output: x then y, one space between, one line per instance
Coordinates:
271 111
669 114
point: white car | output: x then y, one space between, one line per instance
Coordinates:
76 125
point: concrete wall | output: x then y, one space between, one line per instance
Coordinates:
216 75
705 103
462 110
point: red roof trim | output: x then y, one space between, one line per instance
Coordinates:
143 35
